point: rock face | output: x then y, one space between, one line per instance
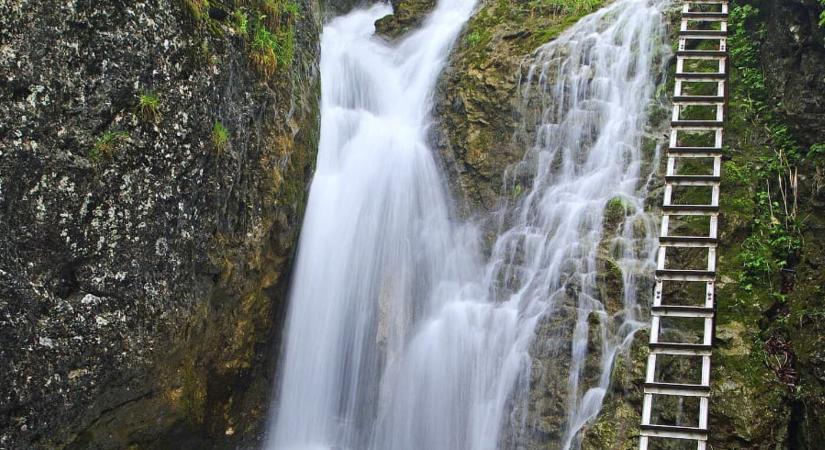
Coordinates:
769 368
768 374
154 160
407 15
477 97
481 136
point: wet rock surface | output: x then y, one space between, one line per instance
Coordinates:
151 188
407 15
478 102
755 404
478 137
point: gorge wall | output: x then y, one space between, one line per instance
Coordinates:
768 366
154 160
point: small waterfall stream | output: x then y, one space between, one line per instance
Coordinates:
401 333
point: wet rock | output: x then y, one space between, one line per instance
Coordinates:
407 15
142 269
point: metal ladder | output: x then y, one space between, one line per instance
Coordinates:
704 21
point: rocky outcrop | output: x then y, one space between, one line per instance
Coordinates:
154 160
768 367
477 98
768 374
407 15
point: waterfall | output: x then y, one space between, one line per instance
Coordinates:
592 87
401 333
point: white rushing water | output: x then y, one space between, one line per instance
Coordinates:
400 333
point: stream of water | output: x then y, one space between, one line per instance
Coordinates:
402 332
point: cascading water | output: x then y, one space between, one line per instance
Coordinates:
399 334
594 84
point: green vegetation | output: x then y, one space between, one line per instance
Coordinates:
149 106
527 24
615 211
473 38
570 6
822 14
197 8
107 144
776 237
272 49
291 8
220 137
240 22
267 26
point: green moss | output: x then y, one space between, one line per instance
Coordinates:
193 394
291 8
272 49
197 8
240 22
220 137
149 106
822 14
473 38
615 211
107 145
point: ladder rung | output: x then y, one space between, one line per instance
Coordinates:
694 151
704 348
703 34
701 15
688 241
685 275
692 180
710 99
711 53
677 389
682 311
675 432
688 209
697 123
700 76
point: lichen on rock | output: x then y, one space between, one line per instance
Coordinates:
142 269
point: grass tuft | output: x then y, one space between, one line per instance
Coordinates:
271 50
149 107
106 145
220 137
240 22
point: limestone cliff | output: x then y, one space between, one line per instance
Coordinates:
768 375
768 363
154 160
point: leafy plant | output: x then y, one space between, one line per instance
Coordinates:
776 237
107 144
571 6
473 38
149 106
822 14
272 49
241 22
220 137
263 55
291 8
